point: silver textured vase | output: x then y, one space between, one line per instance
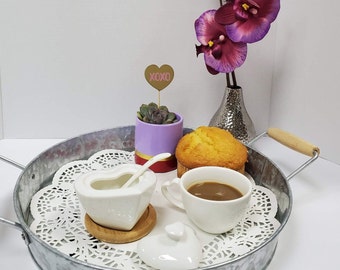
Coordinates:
233 116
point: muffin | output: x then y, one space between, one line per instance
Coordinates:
210 146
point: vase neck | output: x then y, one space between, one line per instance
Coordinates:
234 88
232 93
233 116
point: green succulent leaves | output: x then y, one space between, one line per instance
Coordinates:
154 114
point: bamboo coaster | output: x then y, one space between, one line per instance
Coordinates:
144 225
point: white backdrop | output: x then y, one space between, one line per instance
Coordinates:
73 66
306 87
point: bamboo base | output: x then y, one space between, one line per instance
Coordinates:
141 229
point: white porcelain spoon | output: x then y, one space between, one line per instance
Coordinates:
146 165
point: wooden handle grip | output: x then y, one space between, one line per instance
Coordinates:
293 141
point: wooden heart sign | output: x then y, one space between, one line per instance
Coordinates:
159 77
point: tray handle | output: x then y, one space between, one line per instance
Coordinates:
13 224
293 142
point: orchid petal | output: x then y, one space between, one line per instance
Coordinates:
221 54
212 70
252 19
248 31
232 56
206 28
225 14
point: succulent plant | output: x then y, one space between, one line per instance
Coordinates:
154 114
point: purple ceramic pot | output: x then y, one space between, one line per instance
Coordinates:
153 139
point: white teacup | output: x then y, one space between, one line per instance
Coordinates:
212 216
108 204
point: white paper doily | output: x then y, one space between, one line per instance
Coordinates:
59 220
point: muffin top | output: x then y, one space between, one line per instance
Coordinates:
211 146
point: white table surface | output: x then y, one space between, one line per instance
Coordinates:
310 239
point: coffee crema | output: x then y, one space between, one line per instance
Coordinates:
211 190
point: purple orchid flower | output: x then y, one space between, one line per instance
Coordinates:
247 20
221 54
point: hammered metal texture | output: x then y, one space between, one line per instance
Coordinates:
233 116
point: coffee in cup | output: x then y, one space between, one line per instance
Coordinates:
211 190
214 198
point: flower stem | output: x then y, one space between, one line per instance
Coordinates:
228 79
233 77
